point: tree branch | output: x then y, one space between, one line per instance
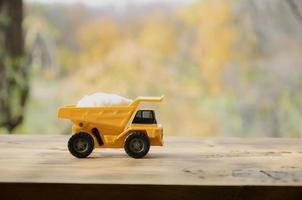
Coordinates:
294 7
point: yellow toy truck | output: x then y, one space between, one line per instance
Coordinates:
113 127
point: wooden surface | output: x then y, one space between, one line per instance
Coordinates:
227 165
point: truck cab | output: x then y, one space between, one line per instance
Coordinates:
146 120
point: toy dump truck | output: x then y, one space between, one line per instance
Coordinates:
113 127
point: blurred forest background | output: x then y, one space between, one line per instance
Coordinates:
226 67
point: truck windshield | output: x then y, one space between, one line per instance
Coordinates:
144 117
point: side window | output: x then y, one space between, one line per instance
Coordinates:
147 114
144 117
139 114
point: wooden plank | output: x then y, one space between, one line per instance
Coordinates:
182 161
196 166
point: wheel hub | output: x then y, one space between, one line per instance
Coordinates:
81 145
136 145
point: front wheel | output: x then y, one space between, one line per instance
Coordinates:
81 145
136 145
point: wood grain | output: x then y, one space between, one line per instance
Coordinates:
184 164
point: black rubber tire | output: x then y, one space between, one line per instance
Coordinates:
143 140
88 142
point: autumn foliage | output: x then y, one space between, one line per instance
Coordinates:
217 66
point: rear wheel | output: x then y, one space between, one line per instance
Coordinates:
137 145
81 145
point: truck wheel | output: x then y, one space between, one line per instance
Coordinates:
81 145
136 145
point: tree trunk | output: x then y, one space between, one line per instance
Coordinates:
13 72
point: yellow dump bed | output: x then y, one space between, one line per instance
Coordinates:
113 116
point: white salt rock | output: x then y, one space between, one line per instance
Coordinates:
102 99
